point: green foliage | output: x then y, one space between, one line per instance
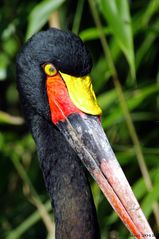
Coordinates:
40 14
118 17
131 29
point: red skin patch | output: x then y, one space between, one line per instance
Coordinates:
59 101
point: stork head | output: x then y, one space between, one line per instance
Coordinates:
53 81
64 50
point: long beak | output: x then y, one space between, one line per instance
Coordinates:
86 136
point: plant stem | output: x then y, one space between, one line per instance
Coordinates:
124 107
29 222
34 197
78 15
54 20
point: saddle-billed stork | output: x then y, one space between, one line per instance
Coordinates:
64 118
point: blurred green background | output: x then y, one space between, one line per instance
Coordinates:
123 38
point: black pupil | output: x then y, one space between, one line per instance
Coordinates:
51 69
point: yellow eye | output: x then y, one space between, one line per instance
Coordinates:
50 70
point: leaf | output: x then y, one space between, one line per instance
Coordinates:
150 199
146 45
40 14
100 74
133 100
116 12
152 8
92 33
106 99
5 118
139 188
27 223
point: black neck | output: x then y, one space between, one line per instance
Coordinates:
66 183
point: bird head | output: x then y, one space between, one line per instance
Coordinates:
53 81
67 54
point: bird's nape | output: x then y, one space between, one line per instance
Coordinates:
55 88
